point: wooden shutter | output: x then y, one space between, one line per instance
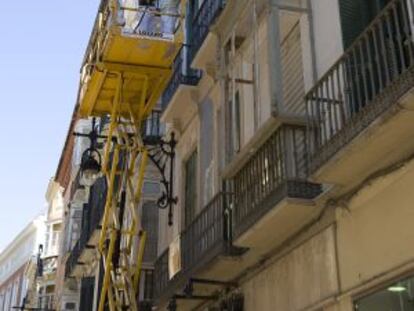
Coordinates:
356 16
190 188
150 225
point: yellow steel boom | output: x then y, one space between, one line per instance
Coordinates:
126 68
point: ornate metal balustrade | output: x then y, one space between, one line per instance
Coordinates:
182 74
277 170
205 17
372 74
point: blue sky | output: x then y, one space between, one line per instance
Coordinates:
41 48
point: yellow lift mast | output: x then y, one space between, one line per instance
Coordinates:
126 68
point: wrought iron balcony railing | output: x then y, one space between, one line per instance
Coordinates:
277 170
208 234
372 74
205 238
205 17
183 74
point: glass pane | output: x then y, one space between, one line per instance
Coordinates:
396 297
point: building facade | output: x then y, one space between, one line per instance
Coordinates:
46 278
19 267
294 158
292 171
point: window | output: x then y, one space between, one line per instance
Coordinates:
190 197
396 297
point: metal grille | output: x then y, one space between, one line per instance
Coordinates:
369 77
277 170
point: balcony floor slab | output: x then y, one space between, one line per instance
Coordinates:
387 140
281 222
181 106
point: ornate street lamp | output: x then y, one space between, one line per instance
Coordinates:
91 161
90 167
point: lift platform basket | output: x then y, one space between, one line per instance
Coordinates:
129 56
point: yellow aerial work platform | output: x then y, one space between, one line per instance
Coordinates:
132 48
126 68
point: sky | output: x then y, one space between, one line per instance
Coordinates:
41 49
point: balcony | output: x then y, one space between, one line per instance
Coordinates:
359 111
273 196
152 130
176 96
202 43
205 252
91 220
